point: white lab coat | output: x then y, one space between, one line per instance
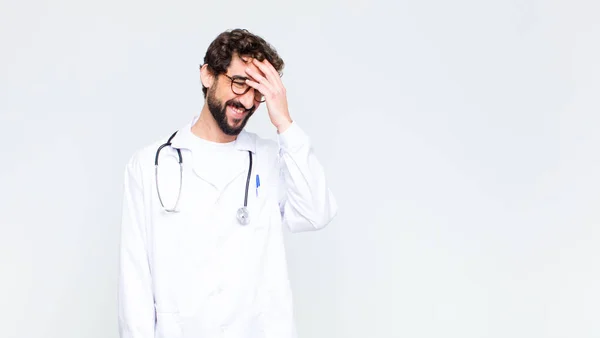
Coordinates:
199 273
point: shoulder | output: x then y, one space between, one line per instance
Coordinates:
142 160
289 140
263 145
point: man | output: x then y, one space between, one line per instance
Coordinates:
216 267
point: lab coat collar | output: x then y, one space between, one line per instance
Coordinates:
184 139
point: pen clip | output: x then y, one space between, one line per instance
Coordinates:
257 184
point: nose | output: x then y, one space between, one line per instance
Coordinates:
247 99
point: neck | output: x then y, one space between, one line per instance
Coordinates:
206 128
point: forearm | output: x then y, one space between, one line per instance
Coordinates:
308 202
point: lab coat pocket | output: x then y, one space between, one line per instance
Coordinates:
256 205
260 201
168 325
260 208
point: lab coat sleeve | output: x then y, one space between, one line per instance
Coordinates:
136 315
306 202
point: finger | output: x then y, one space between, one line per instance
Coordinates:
265 66
264 89
270 66
255 69
268 69
257 77
275 73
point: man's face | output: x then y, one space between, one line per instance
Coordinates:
232 111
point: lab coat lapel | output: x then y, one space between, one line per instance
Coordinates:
240 165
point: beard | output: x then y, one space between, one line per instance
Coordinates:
219 113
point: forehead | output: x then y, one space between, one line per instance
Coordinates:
238 65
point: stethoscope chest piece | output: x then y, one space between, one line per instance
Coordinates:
243 216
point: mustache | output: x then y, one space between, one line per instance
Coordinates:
239 105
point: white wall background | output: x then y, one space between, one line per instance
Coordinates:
461 139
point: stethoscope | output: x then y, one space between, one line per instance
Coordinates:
243 216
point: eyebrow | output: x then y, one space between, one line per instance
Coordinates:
240 77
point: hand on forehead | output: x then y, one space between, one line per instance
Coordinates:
247 63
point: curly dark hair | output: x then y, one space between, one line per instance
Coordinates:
243 43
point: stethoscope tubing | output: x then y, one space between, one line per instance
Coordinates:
241 211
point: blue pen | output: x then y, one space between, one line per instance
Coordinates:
257 184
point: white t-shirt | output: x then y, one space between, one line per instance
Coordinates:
217 162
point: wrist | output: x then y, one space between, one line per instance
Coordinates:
283 125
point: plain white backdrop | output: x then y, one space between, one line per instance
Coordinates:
461 140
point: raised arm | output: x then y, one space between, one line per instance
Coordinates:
307 203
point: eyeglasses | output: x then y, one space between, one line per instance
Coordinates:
240 87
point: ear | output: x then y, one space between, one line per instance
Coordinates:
206 76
